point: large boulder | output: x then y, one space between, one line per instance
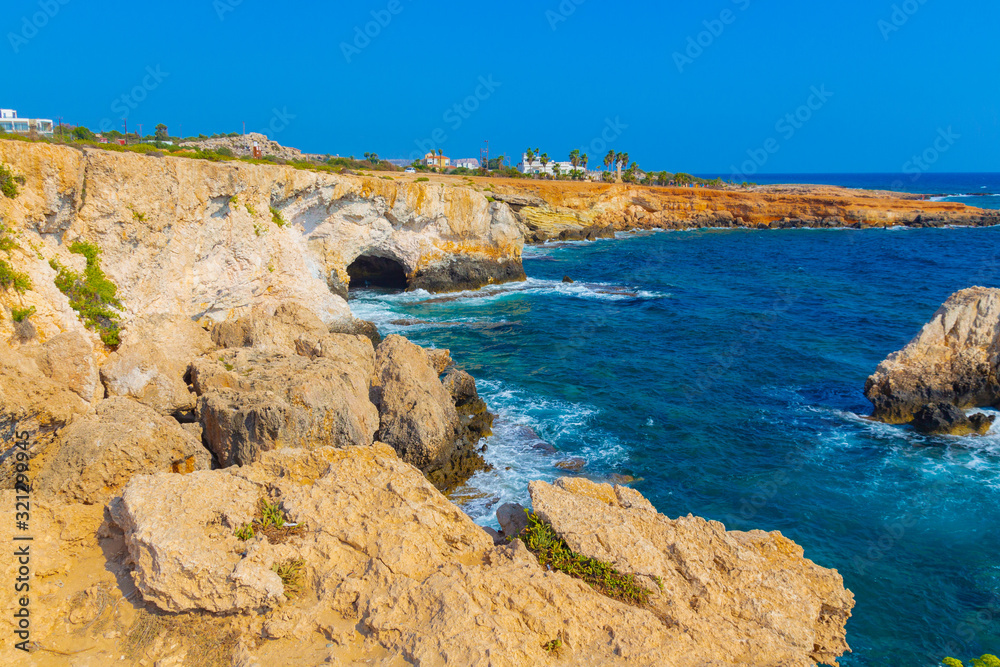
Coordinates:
31 404
753 597
97 454
270 329
946 419
383 553
952 360
151 363
251 401
418 415
68 359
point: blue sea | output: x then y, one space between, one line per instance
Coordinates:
724 369
974 189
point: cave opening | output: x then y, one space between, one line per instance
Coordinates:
382 272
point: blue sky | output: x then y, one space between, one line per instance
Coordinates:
702 87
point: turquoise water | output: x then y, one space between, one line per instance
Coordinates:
725 369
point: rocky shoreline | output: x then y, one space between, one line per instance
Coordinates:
228 468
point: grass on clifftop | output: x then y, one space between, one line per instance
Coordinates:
92 295
553 552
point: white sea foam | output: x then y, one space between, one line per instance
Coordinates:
526 427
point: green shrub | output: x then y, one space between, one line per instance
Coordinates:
245 532
10 278
21 314
250 209
552 551
91 295
422 179
276 217
9 182
987 660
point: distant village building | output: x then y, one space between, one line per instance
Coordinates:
467 162
399 162
536 167
9 122
435 160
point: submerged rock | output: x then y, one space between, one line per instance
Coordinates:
945 419
954 360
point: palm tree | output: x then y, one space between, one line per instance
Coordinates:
583 161
609 159
544 159
574 158
530 156
622 160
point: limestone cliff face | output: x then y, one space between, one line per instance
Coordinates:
210 241
549 209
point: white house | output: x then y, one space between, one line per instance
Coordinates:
535 166
467 162
9 122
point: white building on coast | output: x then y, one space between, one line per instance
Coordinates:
9 122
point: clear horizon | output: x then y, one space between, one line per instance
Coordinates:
732 87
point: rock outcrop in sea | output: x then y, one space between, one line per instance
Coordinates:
952 363
226 467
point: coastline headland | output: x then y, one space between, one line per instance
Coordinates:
220 455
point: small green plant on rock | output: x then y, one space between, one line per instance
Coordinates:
21 314
9 182
291 576
553 553
276 217
9 278
92 294
553 646
251 210
245 532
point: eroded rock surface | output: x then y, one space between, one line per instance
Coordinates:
380 545
95 456
251 402
151 364
418 416
752 596
952 360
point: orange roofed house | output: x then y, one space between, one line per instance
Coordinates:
435 160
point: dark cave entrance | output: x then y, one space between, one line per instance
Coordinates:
381 272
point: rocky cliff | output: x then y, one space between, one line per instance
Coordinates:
954 361
569 210
225 468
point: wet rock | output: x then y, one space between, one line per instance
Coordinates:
97 454
954 359
512 519
462 272
567 279
574 464
418 415
946 419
